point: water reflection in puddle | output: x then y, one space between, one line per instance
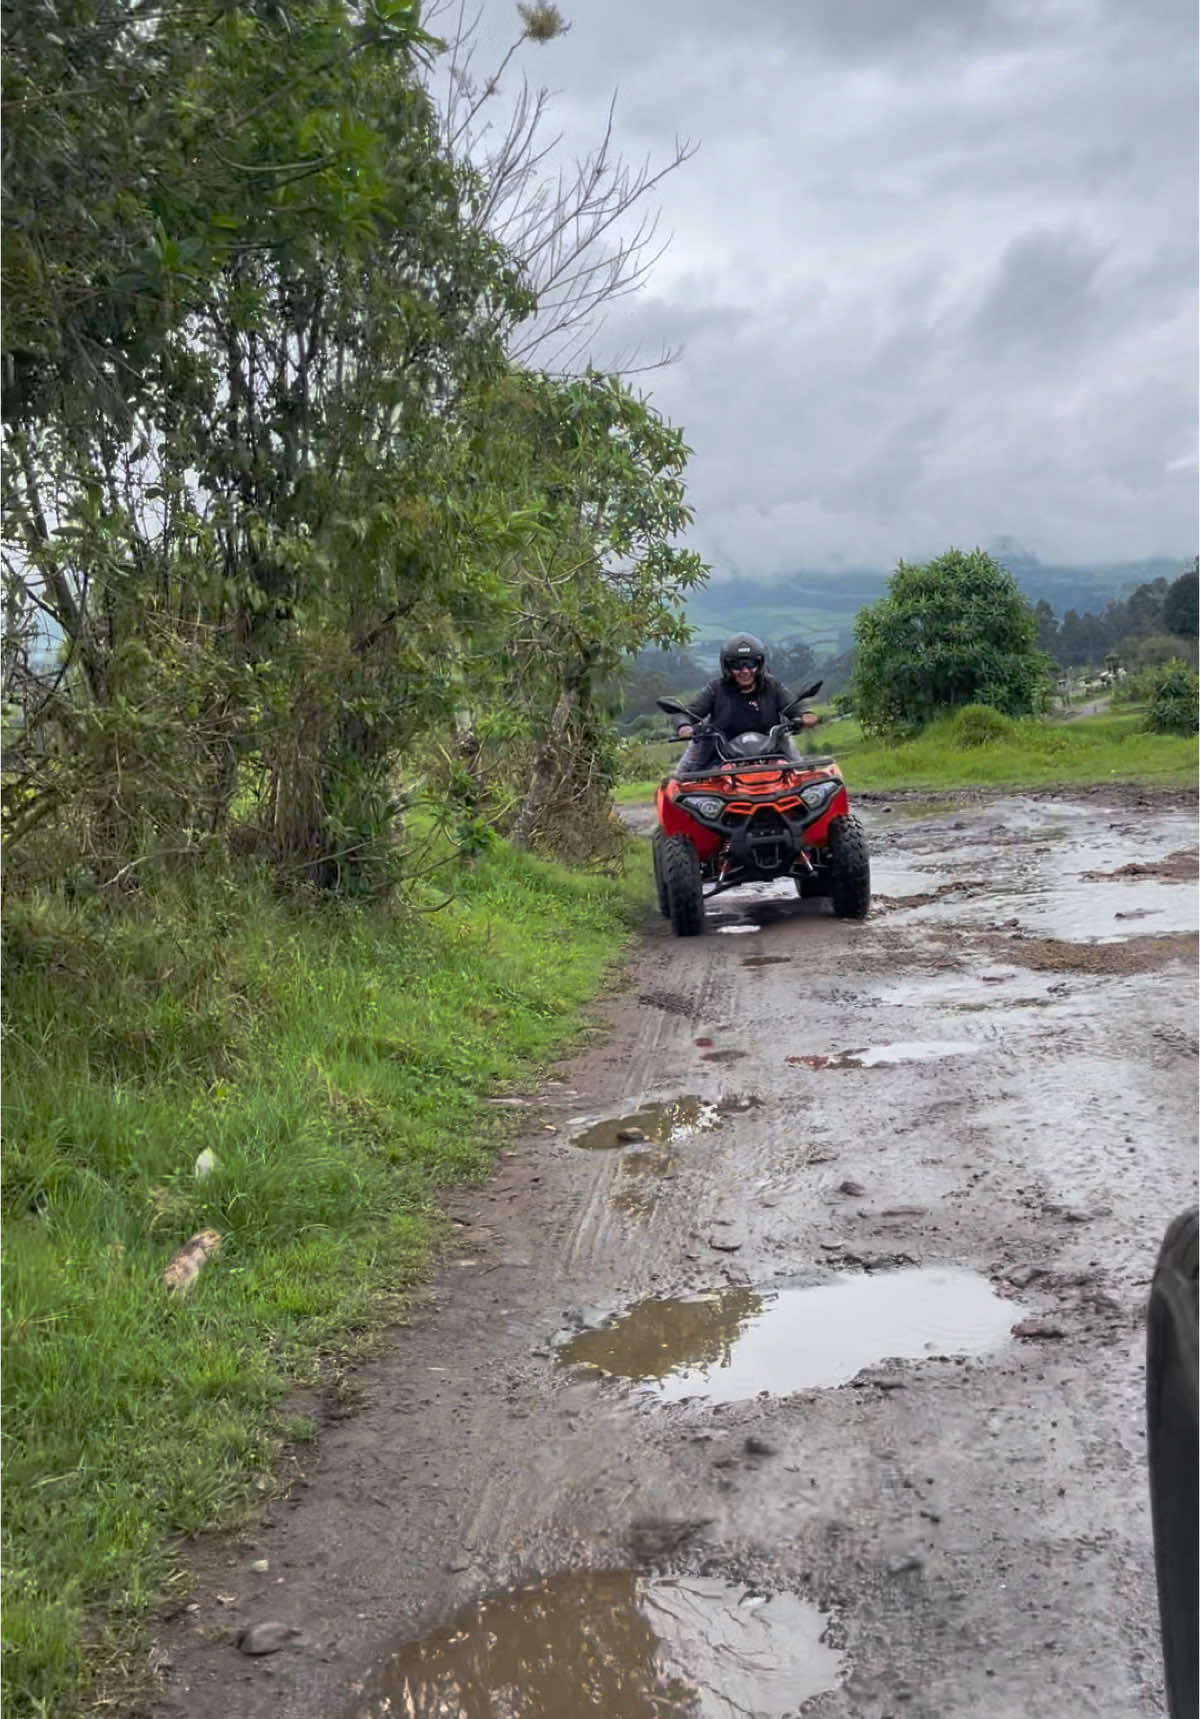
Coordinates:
656 1338
655 1124
731 1345
613 1643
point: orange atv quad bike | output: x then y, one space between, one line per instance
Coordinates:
757 812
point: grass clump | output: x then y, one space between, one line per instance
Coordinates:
980 725
333 1060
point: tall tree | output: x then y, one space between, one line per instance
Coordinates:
269 456
1181 606
954 631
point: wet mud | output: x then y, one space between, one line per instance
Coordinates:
1132 955
814 1380
1182 867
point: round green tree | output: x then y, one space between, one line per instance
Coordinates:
952 632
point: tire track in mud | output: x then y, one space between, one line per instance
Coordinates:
973 1526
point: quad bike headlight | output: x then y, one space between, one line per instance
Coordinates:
819 794
707 805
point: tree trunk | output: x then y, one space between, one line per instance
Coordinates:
544 775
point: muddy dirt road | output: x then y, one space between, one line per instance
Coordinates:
792 1359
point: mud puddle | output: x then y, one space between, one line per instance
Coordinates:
1097 912
889 1056
1056 876
731 1345
655 1124
766 960
753 907
994 987
617 1643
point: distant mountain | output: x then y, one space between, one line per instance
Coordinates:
820 607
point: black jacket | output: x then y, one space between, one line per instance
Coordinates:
733 712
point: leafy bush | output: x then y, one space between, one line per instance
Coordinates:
1174 691
981 725
954 632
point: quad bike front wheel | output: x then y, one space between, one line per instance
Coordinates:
684 890
660 882
849 868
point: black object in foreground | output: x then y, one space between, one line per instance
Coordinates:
1173 1444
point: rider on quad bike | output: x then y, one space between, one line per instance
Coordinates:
742 807
743 699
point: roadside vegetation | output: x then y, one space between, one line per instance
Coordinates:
297 1076
323 544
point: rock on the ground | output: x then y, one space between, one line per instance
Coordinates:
266 1637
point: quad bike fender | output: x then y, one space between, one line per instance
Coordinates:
816 834
673 820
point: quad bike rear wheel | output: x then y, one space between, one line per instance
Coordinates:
660 882
684 890
849 868
1171 1436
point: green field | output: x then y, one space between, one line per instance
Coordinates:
1089 750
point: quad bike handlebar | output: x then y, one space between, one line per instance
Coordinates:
702 727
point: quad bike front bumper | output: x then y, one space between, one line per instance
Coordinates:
755 844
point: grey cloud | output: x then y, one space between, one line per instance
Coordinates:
866 30
1041 296
933 269
894 462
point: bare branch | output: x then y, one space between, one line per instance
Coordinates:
582 237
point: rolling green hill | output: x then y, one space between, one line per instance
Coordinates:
820 607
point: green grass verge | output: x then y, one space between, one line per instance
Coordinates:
335 1060
1087 751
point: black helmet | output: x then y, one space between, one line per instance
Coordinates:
743 650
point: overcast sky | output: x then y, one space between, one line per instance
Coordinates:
933 267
